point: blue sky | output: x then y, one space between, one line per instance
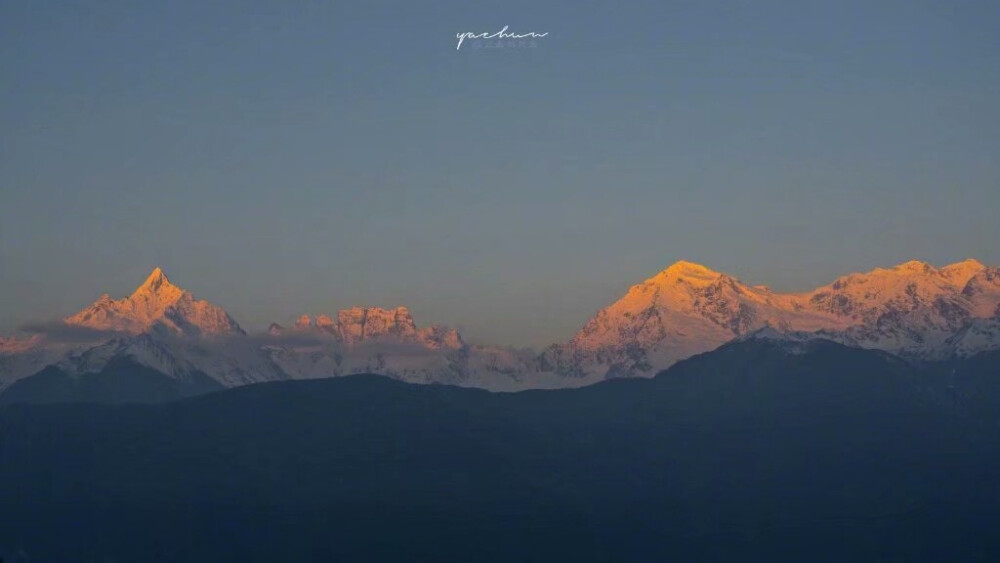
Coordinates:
280 159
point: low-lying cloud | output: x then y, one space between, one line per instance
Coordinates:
59 331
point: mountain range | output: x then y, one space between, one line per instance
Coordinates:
913 311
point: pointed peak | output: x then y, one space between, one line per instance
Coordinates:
154 307
156 280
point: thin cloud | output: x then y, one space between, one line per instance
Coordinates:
292 339
59 331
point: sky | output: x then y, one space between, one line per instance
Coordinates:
280 158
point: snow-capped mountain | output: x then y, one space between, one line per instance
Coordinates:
159 326
912 310
359 324
156 306
682 311
388 341
229 361
163 327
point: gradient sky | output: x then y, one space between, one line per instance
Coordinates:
279 158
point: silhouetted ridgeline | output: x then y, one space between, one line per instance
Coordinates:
760 450
122 380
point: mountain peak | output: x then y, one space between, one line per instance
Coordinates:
684 272
358 324
689 269
156 282
968 263
156 302
960 273
914 266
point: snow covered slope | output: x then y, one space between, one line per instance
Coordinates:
160 326
912 310
158 306
388 341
